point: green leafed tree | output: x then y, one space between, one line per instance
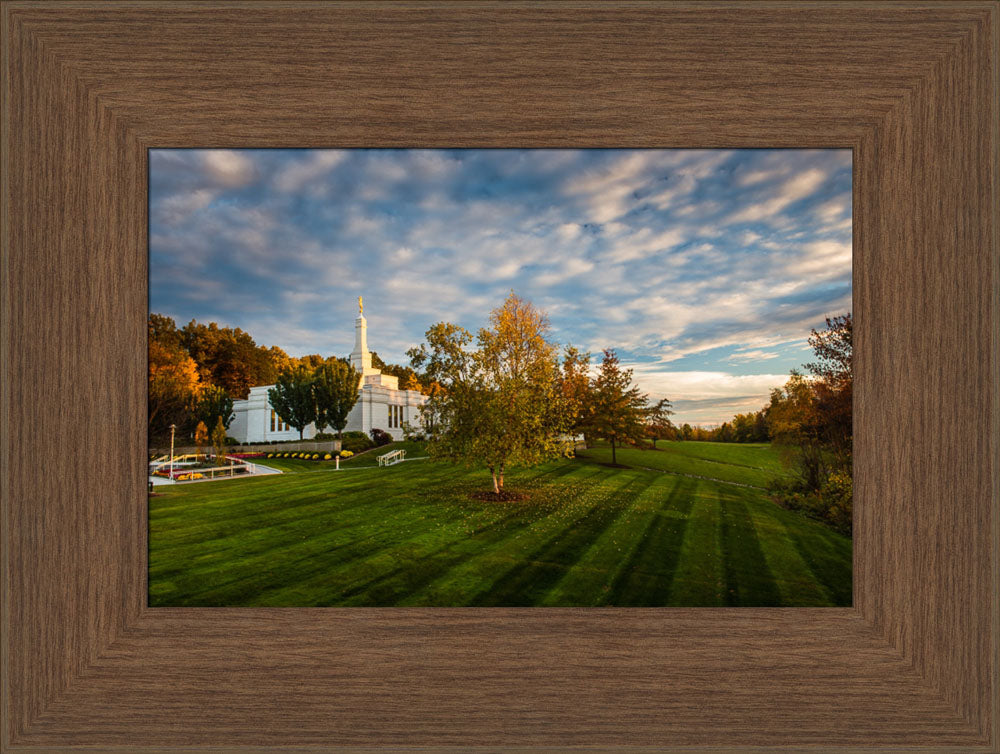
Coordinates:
292 398
499 404
212 402
335 388
619 408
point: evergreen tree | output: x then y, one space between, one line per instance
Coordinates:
619 408
658 424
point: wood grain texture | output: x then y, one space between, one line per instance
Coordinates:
911 87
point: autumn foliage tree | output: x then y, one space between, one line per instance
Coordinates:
499 402
658 424
173 385
576 390
219 442
200 438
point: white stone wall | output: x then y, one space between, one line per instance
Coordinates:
252 422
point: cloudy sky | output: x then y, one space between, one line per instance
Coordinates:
705 270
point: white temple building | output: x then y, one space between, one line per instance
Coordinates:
381 404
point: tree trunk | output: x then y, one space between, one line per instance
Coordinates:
496 488
300 433
501 477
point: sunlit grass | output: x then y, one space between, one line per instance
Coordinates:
413 534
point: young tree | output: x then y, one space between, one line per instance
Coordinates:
618 405
219 442
499 405
292 398
658 424
335 387
200 438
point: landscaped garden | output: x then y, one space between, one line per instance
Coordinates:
660 527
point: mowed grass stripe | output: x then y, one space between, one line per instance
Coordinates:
646 577
305 538
673 463
259 522
485 566
762 456
396 566
405 567
413 534
699 578
749 580
529 581
793 576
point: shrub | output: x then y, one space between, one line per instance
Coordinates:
357 444
327 457
232 441
324 437
315 456
355 435
831 504
381 437
346 454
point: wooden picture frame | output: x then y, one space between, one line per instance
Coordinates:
89 87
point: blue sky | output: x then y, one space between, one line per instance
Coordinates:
705 269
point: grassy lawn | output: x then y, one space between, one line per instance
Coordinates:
754 464
412 534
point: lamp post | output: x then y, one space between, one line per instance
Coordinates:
172 428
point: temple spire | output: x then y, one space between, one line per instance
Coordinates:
361 358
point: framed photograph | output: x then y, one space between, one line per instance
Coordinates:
301 448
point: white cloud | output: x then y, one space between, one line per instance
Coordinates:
228 168
832 210
175 209
822 260
795 188
755 355
318 164
704 385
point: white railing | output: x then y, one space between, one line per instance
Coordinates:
182 466
390 458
